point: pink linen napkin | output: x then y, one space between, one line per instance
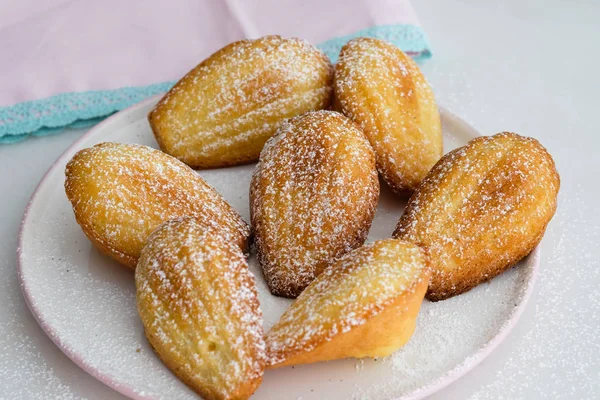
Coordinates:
66 60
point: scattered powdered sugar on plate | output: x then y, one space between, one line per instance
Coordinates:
450 332
45 376
577 292
86 302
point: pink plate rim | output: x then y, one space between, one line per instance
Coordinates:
79 359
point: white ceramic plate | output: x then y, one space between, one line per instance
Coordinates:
85 302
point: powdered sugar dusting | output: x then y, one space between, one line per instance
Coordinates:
383 91
224 110
120 193
199 306
356 287
313 197
481 209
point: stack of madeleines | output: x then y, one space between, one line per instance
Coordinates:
472 213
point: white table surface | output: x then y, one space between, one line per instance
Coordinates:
531 67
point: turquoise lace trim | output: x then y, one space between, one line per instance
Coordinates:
410 38
53 114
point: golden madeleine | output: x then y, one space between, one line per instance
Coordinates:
198 303
364 305
120 193
224 110
480 210
384 92
312 198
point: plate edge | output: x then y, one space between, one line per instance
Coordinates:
441 382
48 330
